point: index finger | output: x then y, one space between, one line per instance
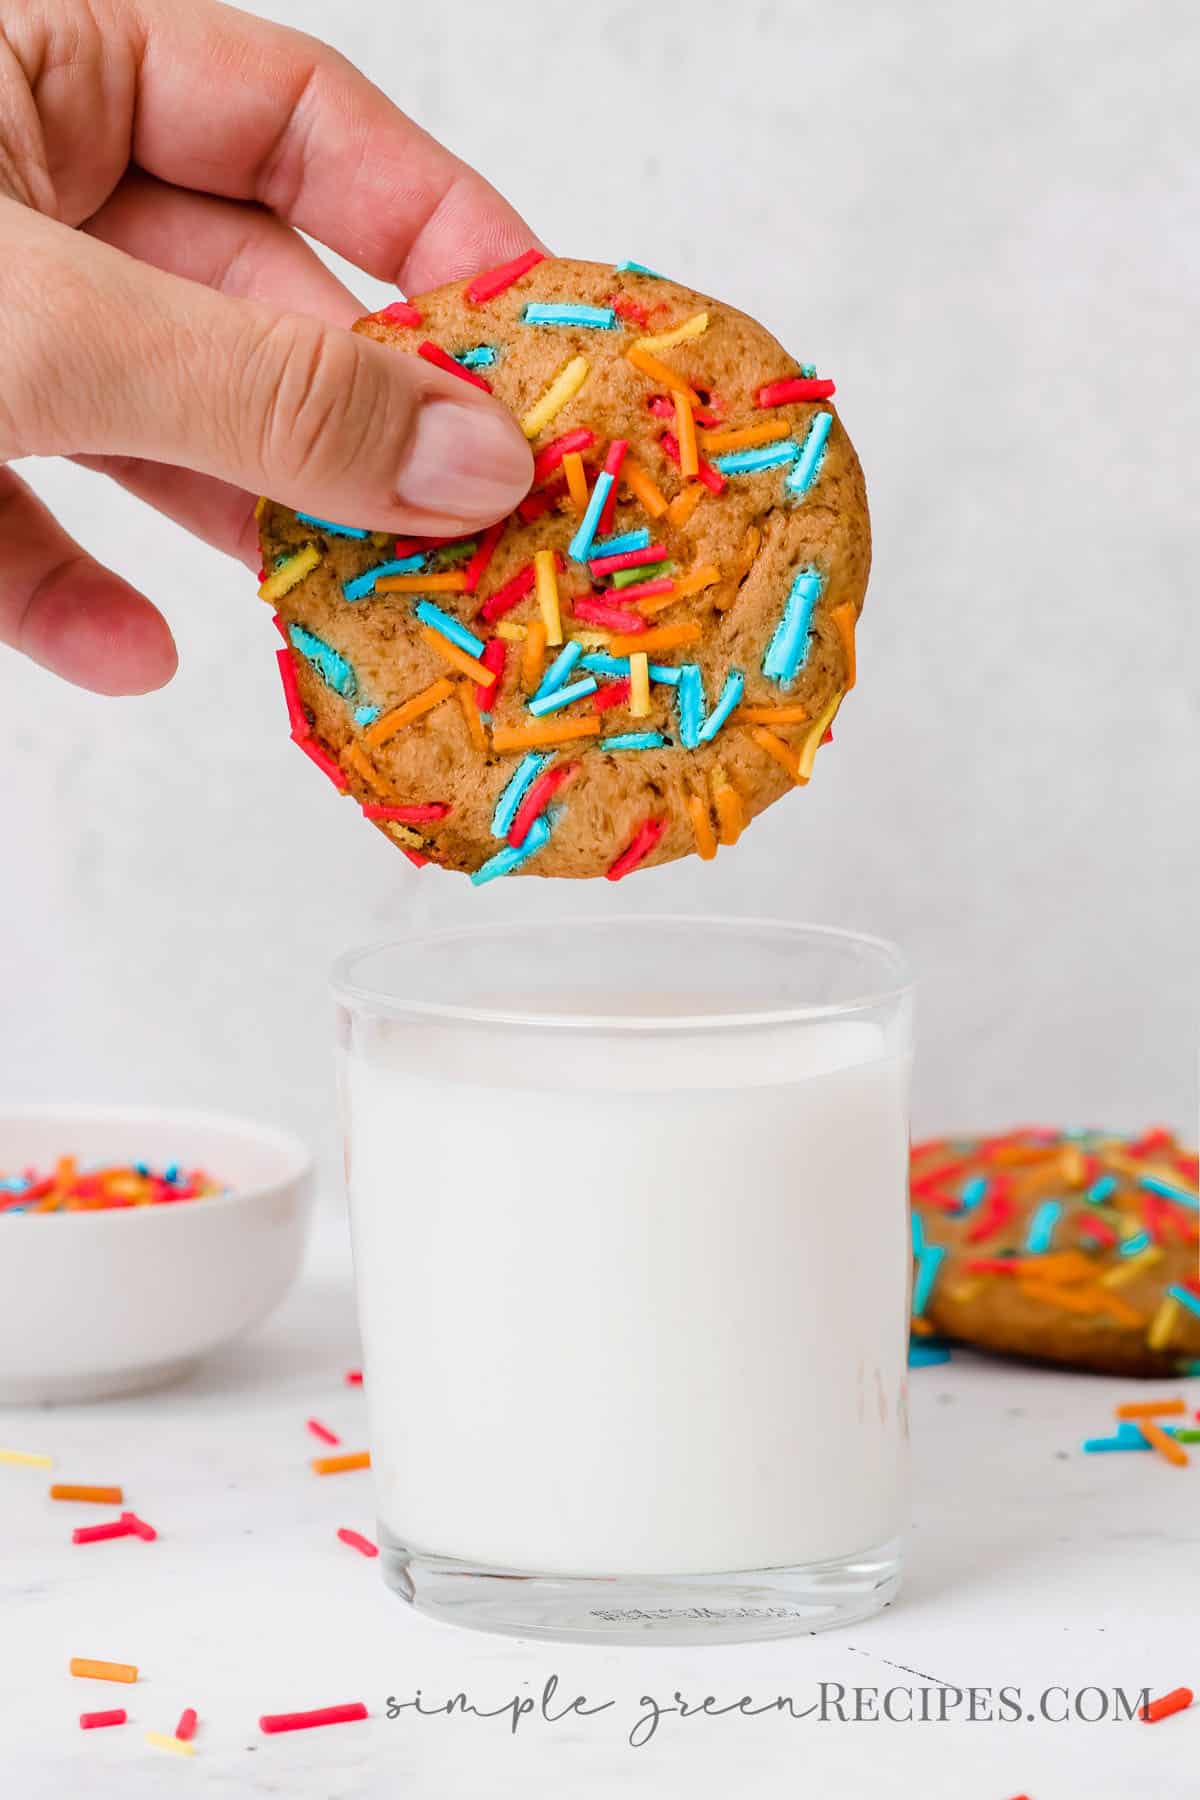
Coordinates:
235 105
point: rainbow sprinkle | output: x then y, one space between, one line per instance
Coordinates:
788 647
510 858
633 740
328 526
808 462
329 663
518 785
637 268
563 696
580 546
359 586
448 627
731 694
594 318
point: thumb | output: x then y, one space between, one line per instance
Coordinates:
136 362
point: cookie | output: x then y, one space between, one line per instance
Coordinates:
1077 1248
642 656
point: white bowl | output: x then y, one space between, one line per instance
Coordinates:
100 1303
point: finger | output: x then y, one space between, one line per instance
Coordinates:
223 244
235 105
67 612
216 511
131 361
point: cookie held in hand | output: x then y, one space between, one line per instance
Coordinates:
642 656
1072 1248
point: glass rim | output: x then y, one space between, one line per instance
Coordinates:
355 993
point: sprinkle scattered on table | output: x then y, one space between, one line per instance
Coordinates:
1178 1700
305 1721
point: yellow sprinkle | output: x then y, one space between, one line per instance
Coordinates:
706 842
577 486
748 437
533 653
684 504
691 328
591 640
27 1458
546 587
811 744
564 387
285 577
162 1740
1162 1325
403 834
696 580
965 1292
639 685
508 628
260 506
1125 1271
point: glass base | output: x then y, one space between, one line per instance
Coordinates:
640 1609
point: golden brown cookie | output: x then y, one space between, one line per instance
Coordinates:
648 651
1073 1248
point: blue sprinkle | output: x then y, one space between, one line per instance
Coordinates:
627 540
749 462
1128 1436
441 622
580 545
973 1193
481 357
364 584
923 1356
918 1233
637 268
577 690
1155 1186
601 664
1041 1227
559 669
1190 1368
808 370
515 790
731 693
596 318
928 1264
332 667
1185 1298
1100 1190
1132 1246
171 1172
809 460
789 646
633 740
366 715
510 858
350 531
665 672
691 705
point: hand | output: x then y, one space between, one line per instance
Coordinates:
154 158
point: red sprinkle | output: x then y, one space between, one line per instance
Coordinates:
493 659
993 1215
711 478
297 716
796 387
534 505
1097 1229
417 858
411 546
547 460
483 556
96 1534
1157 1139
321 1715
647 837
281 628
537 799
441 359
322 1431
398 313
353 1377
612 463
408 815
186 1728
611 693
89 1721
627 559
625 308
327 764
642 590
609 618
357 1541
139 1527
494 281
992 1265
508 596
1178 1700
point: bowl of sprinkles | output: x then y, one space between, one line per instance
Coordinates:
135 1241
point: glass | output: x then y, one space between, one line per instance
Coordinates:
630 1219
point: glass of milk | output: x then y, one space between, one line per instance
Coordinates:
629 1208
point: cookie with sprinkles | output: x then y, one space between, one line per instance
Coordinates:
647 652
1076 1248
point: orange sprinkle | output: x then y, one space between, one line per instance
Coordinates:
657 603
1121 1310
685 431
577 486
662 373
685 503
783 753
543 731
706 843
696 580
400 716
341 1465
98 1496
845 617
748 438
533 653
751 545
355 757
465 693
1152 1409
1068 1299
643 487
452 581
731 815
1166 1446
93 1670
458 659
546 588
920 1327
667 637
1178 1700
794 714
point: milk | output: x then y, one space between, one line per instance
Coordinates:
632 1304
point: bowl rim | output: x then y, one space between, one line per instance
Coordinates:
297 1155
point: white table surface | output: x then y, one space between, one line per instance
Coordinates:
1030 1564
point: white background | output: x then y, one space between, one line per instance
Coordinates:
983 223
